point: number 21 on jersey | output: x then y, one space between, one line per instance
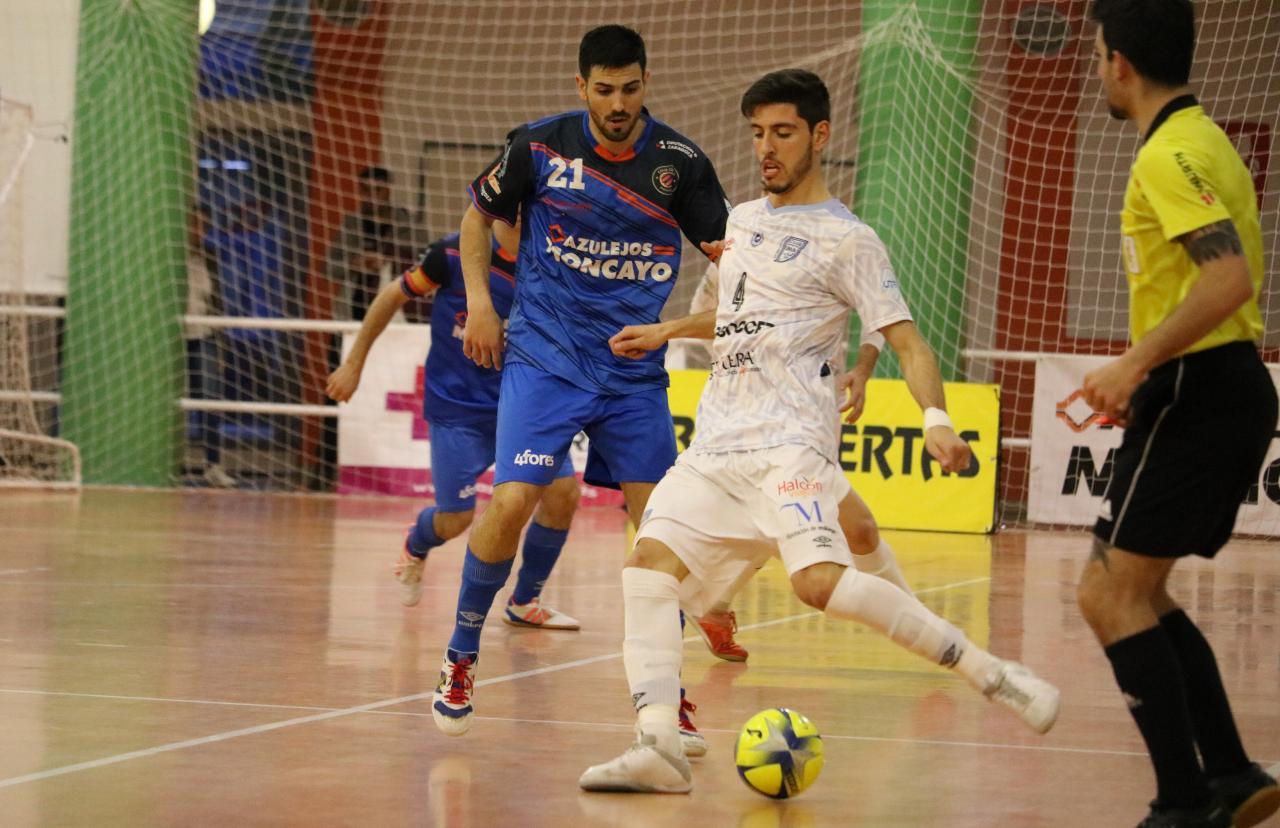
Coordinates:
558 169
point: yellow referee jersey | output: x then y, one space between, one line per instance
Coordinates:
1187 175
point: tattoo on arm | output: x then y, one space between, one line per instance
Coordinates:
1213 241
1099 553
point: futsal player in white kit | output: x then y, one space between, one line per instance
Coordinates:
761 477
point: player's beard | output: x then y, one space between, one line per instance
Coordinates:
777 187
615 134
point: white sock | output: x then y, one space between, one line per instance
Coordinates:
652 651
662 721
879 604
881 563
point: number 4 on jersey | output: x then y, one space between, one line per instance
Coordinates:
740 292
557 179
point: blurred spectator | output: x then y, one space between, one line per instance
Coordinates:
202 377
374 244
247 252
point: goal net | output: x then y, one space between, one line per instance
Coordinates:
29 453
971 135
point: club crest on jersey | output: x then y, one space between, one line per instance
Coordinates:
756 238
790 248
665 179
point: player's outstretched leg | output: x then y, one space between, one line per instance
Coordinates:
844 592
543 541
871 554
484 571
433 527
652 652
882 563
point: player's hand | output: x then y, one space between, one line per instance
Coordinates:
343 382
713 249
482 338
634 341
945 446
1110 388
371 263
852 386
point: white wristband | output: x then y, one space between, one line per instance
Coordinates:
936 417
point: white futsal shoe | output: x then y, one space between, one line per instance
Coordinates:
408 571
217 477
644 768
1035 700
533 614
691 740
451 703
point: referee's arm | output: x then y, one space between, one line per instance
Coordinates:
1224 285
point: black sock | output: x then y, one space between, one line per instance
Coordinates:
1211 718
1148 673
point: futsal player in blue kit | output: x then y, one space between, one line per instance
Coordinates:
605 195
460 404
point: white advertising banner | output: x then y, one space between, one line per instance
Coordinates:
1072 454
383 443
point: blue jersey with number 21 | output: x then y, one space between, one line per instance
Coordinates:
600 244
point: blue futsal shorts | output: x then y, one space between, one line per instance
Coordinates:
632 438
459 455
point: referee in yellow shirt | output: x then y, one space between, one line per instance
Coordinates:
1199 410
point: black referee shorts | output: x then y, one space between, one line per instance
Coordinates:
1199 428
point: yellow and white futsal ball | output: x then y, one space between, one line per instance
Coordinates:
779 753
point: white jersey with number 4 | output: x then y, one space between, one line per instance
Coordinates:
788 278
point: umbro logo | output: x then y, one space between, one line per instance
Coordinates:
473 617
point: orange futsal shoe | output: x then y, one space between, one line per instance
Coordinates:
717 629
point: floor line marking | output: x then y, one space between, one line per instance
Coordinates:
602 725
162 699
364 708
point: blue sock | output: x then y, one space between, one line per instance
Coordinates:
541 551
480 582
422 535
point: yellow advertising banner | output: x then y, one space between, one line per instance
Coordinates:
883 454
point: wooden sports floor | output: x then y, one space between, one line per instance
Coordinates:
225 659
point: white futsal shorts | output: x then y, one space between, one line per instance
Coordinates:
721 513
